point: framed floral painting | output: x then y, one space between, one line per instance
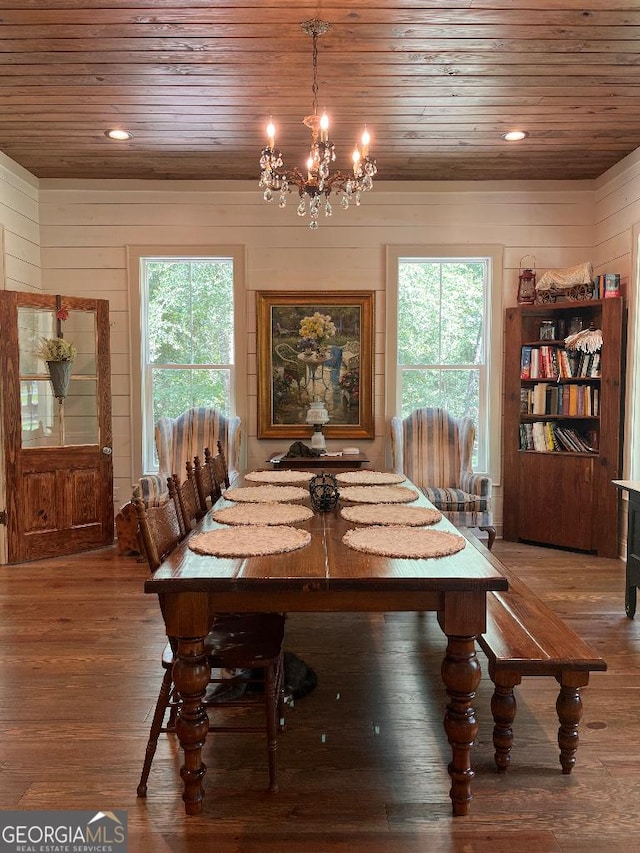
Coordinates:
311 347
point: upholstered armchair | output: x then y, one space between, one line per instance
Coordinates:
179 440
434 450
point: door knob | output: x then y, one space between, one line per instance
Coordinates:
107 451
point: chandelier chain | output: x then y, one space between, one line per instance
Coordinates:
314 88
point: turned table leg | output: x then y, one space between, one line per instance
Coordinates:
569 709
191 674
461 676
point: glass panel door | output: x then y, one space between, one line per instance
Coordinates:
48 421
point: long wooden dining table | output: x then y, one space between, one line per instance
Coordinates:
325 576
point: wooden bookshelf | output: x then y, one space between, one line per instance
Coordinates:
563 496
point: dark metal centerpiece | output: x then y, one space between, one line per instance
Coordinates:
324 492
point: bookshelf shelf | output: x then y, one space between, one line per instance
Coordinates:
563 425
557 453
546 416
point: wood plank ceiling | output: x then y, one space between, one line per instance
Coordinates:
437 82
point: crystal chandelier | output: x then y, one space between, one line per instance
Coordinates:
314 189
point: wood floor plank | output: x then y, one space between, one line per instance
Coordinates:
362 761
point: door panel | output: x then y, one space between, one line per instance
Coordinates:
58 465
565 520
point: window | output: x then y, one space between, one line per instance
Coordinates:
442 350
187 345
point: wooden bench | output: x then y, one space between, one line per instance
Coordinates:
525 637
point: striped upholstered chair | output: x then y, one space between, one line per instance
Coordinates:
434 450
179 440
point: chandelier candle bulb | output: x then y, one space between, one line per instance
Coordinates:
366 139
324 127
271 133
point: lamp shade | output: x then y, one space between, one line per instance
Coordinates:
317 414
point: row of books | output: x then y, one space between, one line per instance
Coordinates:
574 365
606 285
549 437
555 362
545 398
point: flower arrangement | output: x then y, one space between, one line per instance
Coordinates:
56 349
319 328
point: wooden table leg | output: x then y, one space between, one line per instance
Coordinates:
461 675
191 673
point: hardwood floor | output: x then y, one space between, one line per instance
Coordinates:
362 762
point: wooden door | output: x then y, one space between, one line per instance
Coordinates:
57 453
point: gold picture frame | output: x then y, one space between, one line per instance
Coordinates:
315 346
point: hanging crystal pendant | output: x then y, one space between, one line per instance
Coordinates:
302 208
328 210
268 195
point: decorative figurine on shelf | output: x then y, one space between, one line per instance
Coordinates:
324 492
527 283
588 340
573 284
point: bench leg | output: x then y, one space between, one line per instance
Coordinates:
569 708
503 709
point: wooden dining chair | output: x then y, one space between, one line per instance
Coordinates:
219 465
244 652
186 495
208 486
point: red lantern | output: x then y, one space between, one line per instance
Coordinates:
527 283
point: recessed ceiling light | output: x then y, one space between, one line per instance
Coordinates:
515 135
118 134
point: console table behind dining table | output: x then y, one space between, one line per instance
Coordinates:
325 576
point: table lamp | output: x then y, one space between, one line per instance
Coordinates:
317 416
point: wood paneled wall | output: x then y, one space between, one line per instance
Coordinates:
616 229
19 220
86 226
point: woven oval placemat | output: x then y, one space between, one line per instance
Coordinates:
369 478
387 514
284 476
240 542
268 513
402 541
265 494
379 494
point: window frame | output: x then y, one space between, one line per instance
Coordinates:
142 426
490 404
